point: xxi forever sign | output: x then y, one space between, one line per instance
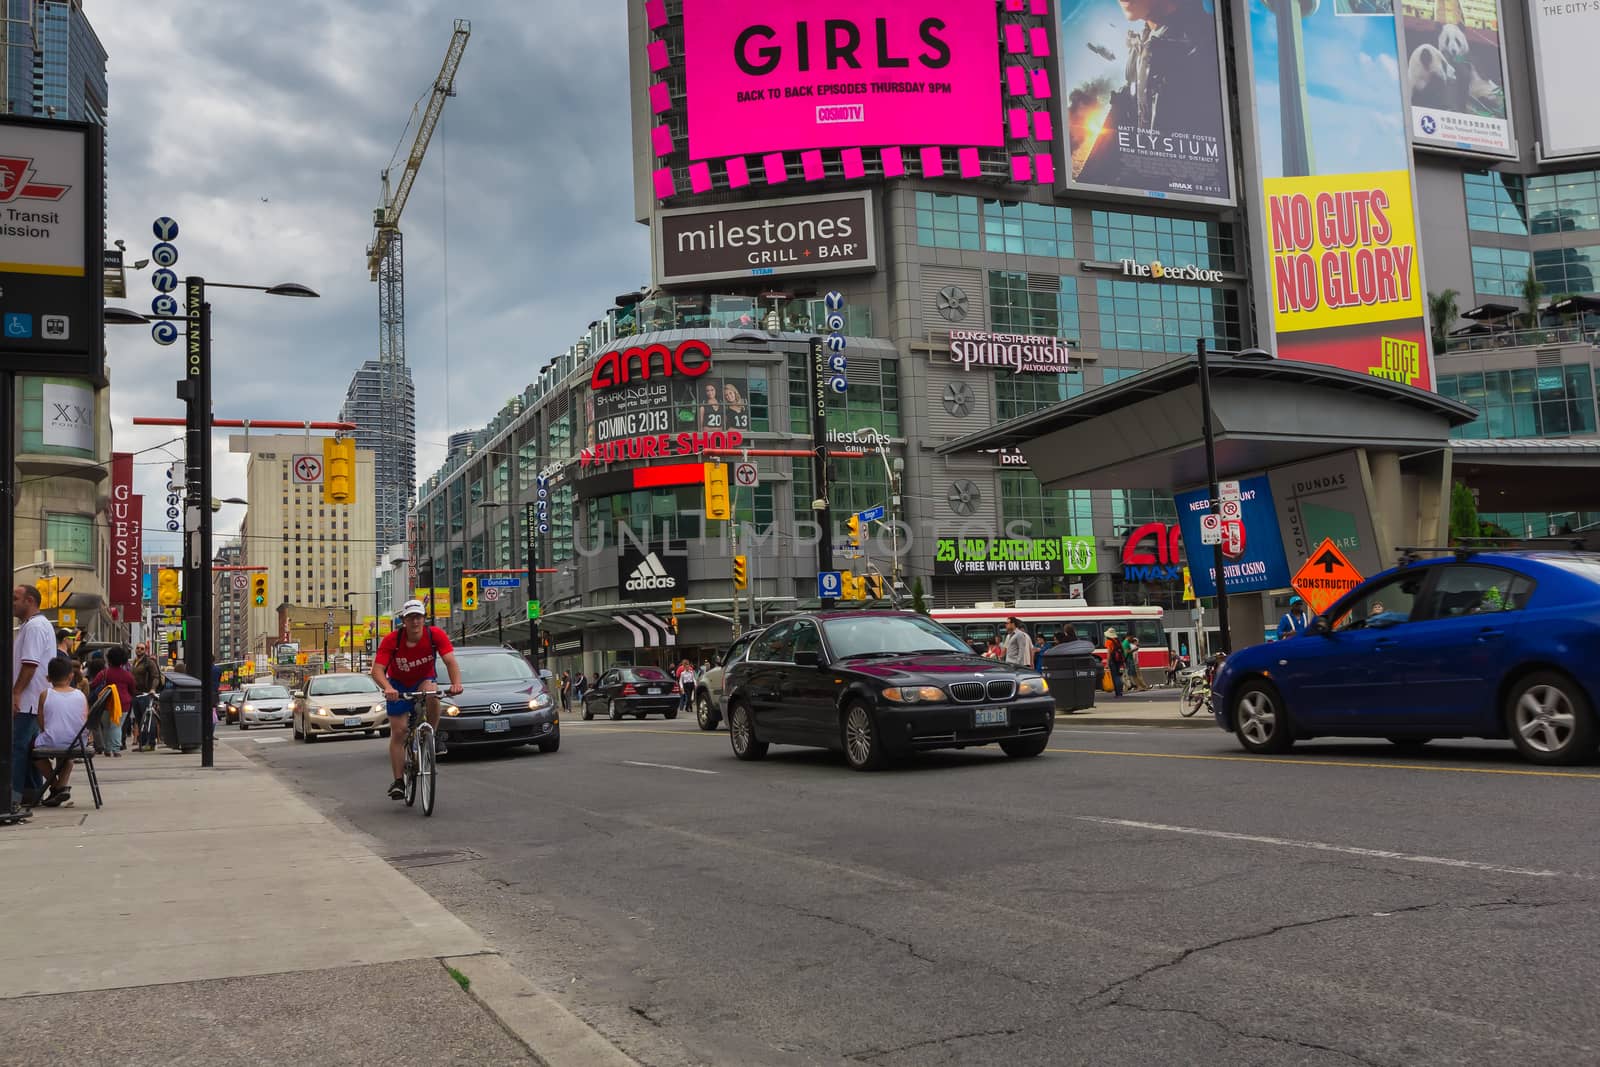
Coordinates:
51 221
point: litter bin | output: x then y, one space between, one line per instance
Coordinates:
179 709
1073 671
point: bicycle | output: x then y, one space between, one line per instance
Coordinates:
421 767
1196 691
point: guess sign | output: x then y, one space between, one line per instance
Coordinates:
690 359
125 513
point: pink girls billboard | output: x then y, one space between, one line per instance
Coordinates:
796 74
773 91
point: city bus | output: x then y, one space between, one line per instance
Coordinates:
1043 618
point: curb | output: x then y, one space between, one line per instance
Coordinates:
554 1035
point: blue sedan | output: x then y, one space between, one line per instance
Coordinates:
1468 644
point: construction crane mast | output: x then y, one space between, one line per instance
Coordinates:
390 429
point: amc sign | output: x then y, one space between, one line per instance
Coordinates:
690 359
1162 561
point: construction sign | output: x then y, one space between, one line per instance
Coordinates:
1325 577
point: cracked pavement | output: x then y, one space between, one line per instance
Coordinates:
967 910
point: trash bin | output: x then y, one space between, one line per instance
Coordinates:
179 709
1073 671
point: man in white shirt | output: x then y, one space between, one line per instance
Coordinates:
32 648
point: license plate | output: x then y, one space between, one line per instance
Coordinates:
352 722
653 691
990 717
496 726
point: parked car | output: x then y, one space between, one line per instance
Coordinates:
340 704
636 691
264 705
1502 644
877 685
502 705
709 687
228 706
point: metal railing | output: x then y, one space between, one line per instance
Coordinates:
1495 339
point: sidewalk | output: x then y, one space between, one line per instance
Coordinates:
1154 707
213 917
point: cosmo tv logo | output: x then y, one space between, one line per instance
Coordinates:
650 576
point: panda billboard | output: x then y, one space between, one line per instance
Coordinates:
1454 68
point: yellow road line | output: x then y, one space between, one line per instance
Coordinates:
1292 762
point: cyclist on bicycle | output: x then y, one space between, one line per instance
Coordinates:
404 666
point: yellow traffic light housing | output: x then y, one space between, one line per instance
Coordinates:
673 622
854 522
469 593
875 581
168 592
49 593
339 470
860 587
718 503
741 572
258 590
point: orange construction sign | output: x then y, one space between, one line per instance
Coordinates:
1325 577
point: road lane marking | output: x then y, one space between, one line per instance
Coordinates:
1295 762
667 767
267 740
1323 846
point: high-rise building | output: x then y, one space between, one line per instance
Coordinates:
55 66
317 555
381 402
227 622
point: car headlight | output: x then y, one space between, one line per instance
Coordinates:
1032 687
452 711
540 701
913 694
324 712
247 707
376 708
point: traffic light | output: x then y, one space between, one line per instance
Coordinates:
860 591
469 593
168 592
875 582
718 505
854 523
338 470
847 586
49 593
673 622
741 572
258 590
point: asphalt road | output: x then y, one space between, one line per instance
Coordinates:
1132 896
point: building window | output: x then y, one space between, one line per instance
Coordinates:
71 536
1047 514
1042 304
946 221
561 524
1021 394
1027 229
1560 203
457 510
527 465
1136 317
1147 238
502 543
476 491
755 507
854 485
1526 402
1496 203
1564 271
1132 508
651 516
871 402
502 482
1500 271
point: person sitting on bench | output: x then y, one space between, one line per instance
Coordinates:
63 711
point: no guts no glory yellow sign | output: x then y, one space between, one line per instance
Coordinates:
1325 577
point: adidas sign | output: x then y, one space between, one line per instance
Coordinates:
650 575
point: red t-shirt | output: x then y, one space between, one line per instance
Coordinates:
408 666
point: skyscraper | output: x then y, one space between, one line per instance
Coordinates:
381 402
54 65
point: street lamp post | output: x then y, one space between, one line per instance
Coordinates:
355 662
194 388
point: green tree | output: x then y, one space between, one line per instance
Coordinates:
1532 291
1463 514
918 603
1443 311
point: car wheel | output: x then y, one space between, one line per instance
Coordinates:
294 728
1024 747
588 712
704 717
613 712
742 734
673 714
1550 719
1409 744
550 745
863 745
242 725
1260 720
311 738
383 732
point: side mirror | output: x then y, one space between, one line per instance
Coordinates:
808 659
1319 625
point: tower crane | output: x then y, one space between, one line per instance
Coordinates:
392 440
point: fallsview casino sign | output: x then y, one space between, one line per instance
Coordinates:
1016 352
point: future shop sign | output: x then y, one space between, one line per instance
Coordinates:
802 235
633 368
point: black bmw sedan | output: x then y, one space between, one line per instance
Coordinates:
880 684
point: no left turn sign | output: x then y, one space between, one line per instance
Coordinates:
746 475
307 469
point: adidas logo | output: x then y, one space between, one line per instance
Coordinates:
650 574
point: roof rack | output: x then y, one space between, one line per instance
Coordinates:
1410 554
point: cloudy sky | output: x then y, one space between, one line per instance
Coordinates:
262 129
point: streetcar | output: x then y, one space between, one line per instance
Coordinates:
1044 618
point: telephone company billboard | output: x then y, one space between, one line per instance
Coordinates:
787 75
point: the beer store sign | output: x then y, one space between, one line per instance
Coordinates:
1157 272
802 235
1015 555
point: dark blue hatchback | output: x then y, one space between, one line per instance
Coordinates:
1497 644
